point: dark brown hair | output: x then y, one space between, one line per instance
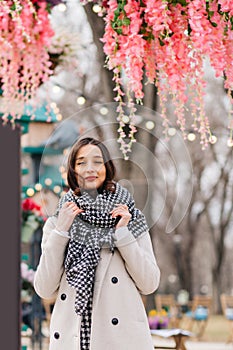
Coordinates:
108 184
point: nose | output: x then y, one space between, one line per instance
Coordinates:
90 167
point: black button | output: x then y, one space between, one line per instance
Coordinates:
114 280
63 296
115 321
56 335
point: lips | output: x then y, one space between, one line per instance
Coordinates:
90 178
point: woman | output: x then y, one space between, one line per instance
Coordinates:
97 260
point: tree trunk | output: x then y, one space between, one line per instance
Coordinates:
97 26
216 283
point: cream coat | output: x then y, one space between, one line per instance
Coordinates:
135 272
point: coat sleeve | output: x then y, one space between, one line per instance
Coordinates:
140 260
51 265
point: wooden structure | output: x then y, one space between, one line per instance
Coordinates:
227 309
199 315
168 303
177 334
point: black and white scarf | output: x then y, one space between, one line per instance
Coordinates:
90 231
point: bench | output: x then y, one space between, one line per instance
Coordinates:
177 334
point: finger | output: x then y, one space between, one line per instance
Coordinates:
71 205
67 205
122 214
114 212
121 205
69 209
78 211
120 209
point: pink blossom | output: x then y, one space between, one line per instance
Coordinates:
169 41
25 36
226 6
26 273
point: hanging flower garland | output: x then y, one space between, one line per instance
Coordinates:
25 35
168 40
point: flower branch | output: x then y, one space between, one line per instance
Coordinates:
169 40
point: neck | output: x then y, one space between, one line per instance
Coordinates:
93 192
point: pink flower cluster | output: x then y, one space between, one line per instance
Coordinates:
25 35
27 273
169 40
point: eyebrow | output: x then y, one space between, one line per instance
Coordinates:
82 157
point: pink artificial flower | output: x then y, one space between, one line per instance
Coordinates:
25 36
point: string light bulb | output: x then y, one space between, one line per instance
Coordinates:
30 192
56 89
81 100
96 8
125 119
38 187
150 125
171 131
57 189
48 181
213 139
104 110
191 136
62 7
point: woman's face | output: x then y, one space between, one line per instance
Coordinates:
89 167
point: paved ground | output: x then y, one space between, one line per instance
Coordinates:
195 345
208 346
190 345
217 329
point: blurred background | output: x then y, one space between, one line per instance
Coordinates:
186 193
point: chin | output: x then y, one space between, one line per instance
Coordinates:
91 187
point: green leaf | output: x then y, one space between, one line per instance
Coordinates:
161 42
117 12
13 7
126 21
119 23
213 24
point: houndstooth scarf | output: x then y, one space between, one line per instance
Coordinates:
90 231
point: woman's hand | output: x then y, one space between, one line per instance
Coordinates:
122 211
66 216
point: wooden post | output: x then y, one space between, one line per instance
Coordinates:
10 237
